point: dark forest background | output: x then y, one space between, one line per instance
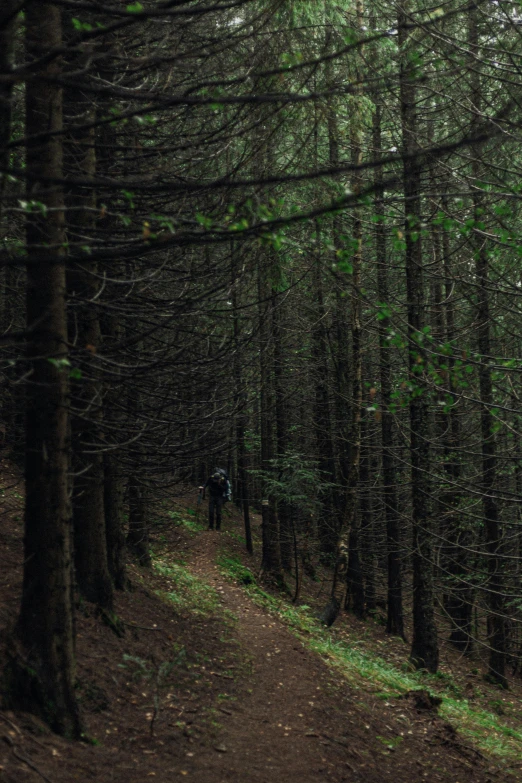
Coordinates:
283 238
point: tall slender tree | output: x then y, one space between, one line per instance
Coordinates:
424 651
45 680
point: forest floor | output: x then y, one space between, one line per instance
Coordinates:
215 681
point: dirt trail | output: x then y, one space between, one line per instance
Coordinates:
266 733
246 704
294 722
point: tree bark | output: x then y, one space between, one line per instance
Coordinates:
394 616
284 508
113 473
492 526
328 521
240 403
11 403
113 505
460 598
9 16
424 651
138 536
271 557
369 470
355 584
339 582
90 545
45 627
112 332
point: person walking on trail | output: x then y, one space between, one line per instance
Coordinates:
218 493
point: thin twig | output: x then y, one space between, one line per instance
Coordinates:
24 760
30 764
141 627
13 725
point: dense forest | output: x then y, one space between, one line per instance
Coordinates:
283 238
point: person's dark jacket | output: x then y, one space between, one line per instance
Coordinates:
217 487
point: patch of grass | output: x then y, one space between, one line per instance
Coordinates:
235 536
188 594
226 697
233 568
390 743
486 730
188 519
90 740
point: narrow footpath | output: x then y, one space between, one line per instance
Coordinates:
185 695
296 722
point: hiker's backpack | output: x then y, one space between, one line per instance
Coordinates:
227 486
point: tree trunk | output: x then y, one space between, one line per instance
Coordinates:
350 519
369 470
394 618
460 599
113 505
339 582
271 558
328 521
113 331
240 403
355 583
9 16
113 474
90 546
138 536
45 681
284 508
492 526
424 652
11 316
341 319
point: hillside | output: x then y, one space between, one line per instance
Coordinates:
217 680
